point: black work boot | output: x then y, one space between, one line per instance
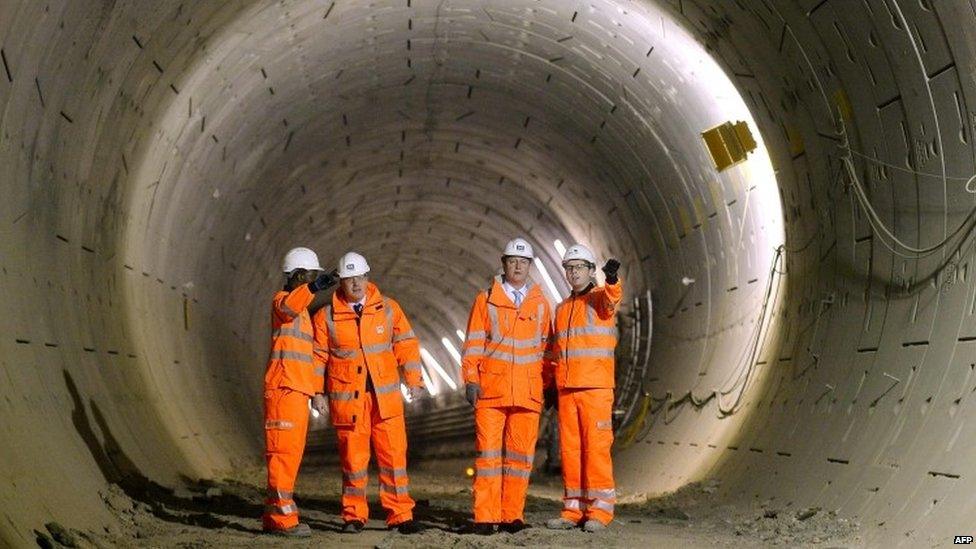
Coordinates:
478 529
408 527
513 527
352 527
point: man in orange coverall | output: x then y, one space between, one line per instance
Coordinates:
507 333
583 343
289 381
363 340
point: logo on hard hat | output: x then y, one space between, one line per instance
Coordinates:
519 247
350 266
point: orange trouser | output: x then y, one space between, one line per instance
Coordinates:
389 438
585 436
285 425
502 473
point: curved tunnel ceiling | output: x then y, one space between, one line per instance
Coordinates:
160 159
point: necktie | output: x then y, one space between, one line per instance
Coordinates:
358 307
518 298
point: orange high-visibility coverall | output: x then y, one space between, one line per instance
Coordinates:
503 354
290 379
583 343
352 349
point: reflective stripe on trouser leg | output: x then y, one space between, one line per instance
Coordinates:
354 457
596 409
286 424
521 431
487 489
571 455
390 444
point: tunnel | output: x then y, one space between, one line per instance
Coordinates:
801 325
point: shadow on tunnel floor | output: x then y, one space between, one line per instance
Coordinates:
192 507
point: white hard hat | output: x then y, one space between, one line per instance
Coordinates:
579 251
518 248
300 258
352 264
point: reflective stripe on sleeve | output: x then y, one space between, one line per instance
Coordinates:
384 389
406 335
292 332
377 348
343 395
413 365
279 354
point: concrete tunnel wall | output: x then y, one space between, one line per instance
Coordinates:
159 157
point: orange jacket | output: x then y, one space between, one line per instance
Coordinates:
380 342
585 337
291 363
504 345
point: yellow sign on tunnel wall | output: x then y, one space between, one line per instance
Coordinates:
729 144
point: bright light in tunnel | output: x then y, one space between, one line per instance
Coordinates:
315 413
405 393
432 363
460 334
560 248
550 285
451 350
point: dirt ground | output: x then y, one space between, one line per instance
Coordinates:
226 513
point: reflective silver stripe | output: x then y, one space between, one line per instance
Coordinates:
488 454
488 472
598 353
292 332
406 335
384 389
602 505
398 490
283 510
287 310
290 355
572 493
342 395
389 316
473 335
517 359
377 348
353 491
513 472
571 504
608 493
515 456
412 365
590 313
496 333
279 494
343 353
542 330
395 473
473 351
318 349
355 475
330 325
530 343
587 330
320 371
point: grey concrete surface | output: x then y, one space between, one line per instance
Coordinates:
159 157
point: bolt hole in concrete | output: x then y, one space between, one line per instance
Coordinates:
161 157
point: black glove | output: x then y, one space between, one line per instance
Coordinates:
610 269
471 392
550 398
324 281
